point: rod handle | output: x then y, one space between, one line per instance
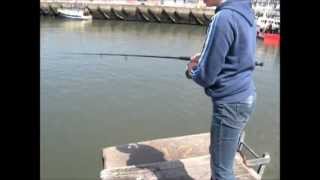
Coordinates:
185 58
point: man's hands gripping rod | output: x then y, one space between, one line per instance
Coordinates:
194 60
192 64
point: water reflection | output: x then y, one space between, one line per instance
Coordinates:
93 102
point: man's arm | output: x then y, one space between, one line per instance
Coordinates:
218 42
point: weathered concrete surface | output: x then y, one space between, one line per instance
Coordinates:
185 157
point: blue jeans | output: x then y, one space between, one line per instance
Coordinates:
229 120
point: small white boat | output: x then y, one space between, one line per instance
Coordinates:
74 14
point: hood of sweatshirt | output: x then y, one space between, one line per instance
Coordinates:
243 7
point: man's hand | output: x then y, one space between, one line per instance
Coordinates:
195 58
191 66
193 62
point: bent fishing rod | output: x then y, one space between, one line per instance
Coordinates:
182 58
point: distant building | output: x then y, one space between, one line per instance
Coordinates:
273 3
270 7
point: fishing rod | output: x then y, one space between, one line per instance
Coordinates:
182 58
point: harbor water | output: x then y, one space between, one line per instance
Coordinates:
91 102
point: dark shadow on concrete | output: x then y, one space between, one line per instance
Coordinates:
140 154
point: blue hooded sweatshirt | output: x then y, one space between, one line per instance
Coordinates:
227 60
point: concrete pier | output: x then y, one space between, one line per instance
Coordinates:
184 157
194 14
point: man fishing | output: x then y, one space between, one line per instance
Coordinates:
224 69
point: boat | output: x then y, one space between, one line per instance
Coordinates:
74 13
184 157
268 28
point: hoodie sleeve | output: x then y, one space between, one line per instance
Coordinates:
219 39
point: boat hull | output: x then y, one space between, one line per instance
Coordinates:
270 38
77 15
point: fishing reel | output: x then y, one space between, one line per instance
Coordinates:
188 75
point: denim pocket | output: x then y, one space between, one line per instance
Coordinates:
244 111
230 114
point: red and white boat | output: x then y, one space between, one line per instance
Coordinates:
268 29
